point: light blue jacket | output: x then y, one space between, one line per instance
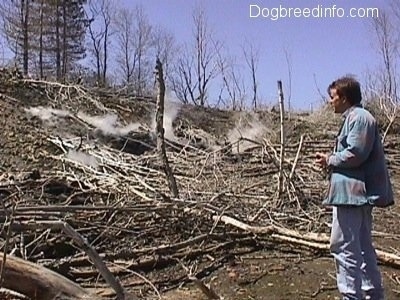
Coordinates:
359 173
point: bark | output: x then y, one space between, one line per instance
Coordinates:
37 282
160 130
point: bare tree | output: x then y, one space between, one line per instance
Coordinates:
143 44
134 42
165 48
252 57
126 57
388 51
384 89
233 85
183 82
100 13
288 59
196 65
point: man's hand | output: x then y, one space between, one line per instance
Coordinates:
321 159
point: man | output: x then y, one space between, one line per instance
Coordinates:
359 180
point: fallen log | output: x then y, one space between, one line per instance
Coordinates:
37 282
89 250
319 241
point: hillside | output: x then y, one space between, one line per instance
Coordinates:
88 158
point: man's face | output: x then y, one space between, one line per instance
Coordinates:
338 103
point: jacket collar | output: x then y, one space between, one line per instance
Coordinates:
349 110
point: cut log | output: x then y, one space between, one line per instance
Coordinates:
37 282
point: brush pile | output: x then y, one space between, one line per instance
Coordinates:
87 158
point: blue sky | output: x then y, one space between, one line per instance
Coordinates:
320 49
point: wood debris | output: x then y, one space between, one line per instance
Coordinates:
110 187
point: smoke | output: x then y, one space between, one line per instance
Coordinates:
250 128
83 158
171 110
109 124
46 113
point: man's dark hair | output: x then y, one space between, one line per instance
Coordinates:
347 87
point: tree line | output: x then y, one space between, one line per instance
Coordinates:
109 44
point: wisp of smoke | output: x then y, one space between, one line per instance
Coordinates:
47 113
254 130
171 110
83 158
109 124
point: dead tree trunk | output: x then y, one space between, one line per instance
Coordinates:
160 130
282 152
37 282
89 250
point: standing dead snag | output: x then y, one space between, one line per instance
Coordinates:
282 154
160 130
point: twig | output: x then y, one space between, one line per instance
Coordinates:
143 278
85 246
297 157
208 291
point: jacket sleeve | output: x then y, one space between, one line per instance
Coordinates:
358 144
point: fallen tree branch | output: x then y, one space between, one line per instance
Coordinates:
85 246
33 280
208 291
318 241
11 218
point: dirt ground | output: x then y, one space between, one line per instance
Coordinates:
267 275
262 277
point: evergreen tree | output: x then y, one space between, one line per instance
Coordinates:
67 38
46 34
15 16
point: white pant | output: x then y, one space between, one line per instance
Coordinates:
357 271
